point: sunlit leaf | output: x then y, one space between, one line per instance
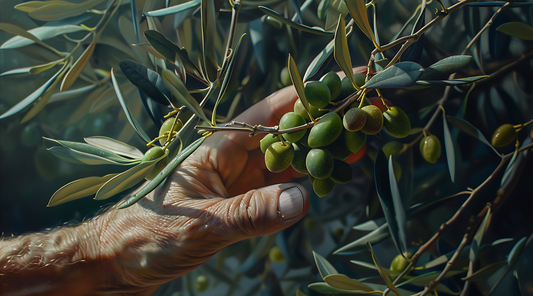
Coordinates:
517 29
147 80
516 251
174 9
78 189
384 275
130 117
399 75
478 237
468 128
164 173
340 281
176 87
298 84
324 288
33 69
94 150
399 211
42 33
449 145
485 272
76 69
369 225
357 9
458 81
303 28
341 51
127 179
443 68
77 157
58 10
324 267
115 146
378 235
319 60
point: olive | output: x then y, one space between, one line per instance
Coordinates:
392 148
290 120
323 187
430 148
354 140
285 77
319 163
359 79
396 122
317 94
166 126
399 263
378 102
325 131
29 135
366 102
354 119
267 141
153 154
333 82
278 156
342 172
300 109
157 169
346 88
338 148
503 135
374 120
201 283
300 154
275 254
46 163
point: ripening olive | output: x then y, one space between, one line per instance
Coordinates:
166 126
396 122
298 161
333 82
279 157
354 140
275 254
285 77
267 141
201 283
325 131
317 94
399 263
374 120
392 148
323 187
319 163
430 148
290 120
338 148
354 119
503 135
342 172
300 109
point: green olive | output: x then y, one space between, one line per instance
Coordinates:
338 148
396 122
399 263
359 79
285 77
430 148
290 120
157 169
323 187
153 154
354 119
325 131
267 141
317 94
503 135
342 172
346 88
275 254
300 154
374 120
392 148
300 109
354 140
201 283
319 163
333 82
166 126
279 157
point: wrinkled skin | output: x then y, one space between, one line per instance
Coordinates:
210 201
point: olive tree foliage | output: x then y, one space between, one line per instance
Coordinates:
110 73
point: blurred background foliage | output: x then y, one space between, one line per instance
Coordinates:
284 264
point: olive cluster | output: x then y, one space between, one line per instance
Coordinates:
325 150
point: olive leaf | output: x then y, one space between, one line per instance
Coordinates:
114 146
478 236
298 84
303 28
453 82
78 189
99 152
485 272
174 9
10 28
384 275
180 92
78 66
402 74
357 9
517 29
32 70
443 68
342 52
340 281
450 149
57 10
71 94
208 18
42 101
399 211
147 80
41 33
468 128
324 267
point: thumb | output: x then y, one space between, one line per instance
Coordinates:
264 211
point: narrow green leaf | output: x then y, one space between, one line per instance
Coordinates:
485 272
94 150
510 168
357 9
319 60
298 84
208 18
341 51
399 75
176 87
372 266
32 97
71 94
369 225
115 146
458 81
399 211
324 288
478 236
10 28
468 128
340 281
174 9
60 10
303 28
516 251
42 100
32 5
127 179
324 267
374 237
147 80
517 29
164 173
443 68
384 275
136 126
336 8
426 278
449 145
41 33
77 157
33 69
78 189
78 66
